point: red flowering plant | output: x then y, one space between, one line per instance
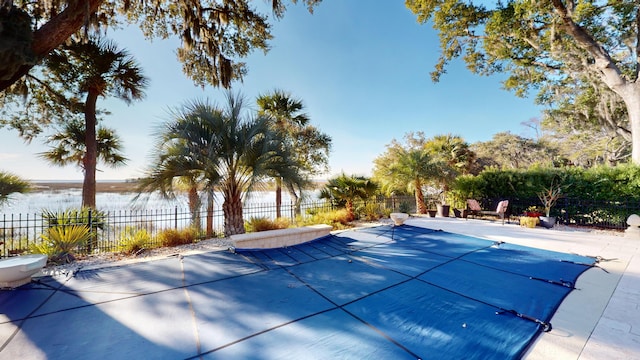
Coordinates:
534 211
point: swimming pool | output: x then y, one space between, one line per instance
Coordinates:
402 292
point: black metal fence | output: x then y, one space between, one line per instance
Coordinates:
19 232
582 212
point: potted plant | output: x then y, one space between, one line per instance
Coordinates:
529 222
442 207
534 212
431 208
549 196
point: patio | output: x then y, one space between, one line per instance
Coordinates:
213 305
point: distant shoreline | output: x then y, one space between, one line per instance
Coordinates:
101 186
110 186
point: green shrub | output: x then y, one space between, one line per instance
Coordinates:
263 224
90 218
404 207
338 219
75 217
61 243
370 211
172 237
133 240
13 246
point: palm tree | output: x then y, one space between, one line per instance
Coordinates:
95 69
409 169
170 171
286 117
347 189
222 148
286 112
454 157
9 184
454 151
309 146
69 146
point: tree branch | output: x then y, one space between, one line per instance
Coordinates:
52 34
604 63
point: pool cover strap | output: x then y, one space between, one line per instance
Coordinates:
561 282
545 326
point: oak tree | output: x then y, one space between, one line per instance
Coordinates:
214 34
544 43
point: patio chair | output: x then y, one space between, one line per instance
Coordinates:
475 209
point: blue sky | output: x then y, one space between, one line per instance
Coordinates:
361 70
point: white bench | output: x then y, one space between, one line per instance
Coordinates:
279 238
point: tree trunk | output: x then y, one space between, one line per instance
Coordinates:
210 213
349 207
194 206
278 196
295 199
91 155
631 99
421 207
232 208
610 74
55 32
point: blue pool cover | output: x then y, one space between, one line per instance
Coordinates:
402 292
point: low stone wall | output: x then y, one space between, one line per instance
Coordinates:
279 238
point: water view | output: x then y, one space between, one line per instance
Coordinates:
56 200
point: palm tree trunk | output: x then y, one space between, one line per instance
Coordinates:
232 208
91 155
210 213
278 196
350 213
420 205
194 206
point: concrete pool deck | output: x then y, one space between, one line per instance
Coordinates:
599 320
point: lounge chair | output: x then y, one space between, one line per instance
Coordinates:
475 209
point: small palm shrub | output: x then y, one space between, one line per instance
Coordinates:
90 218
75 217
263 224
61 243
172 237
133 240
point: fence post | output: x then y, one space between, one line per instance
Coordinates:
175 218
